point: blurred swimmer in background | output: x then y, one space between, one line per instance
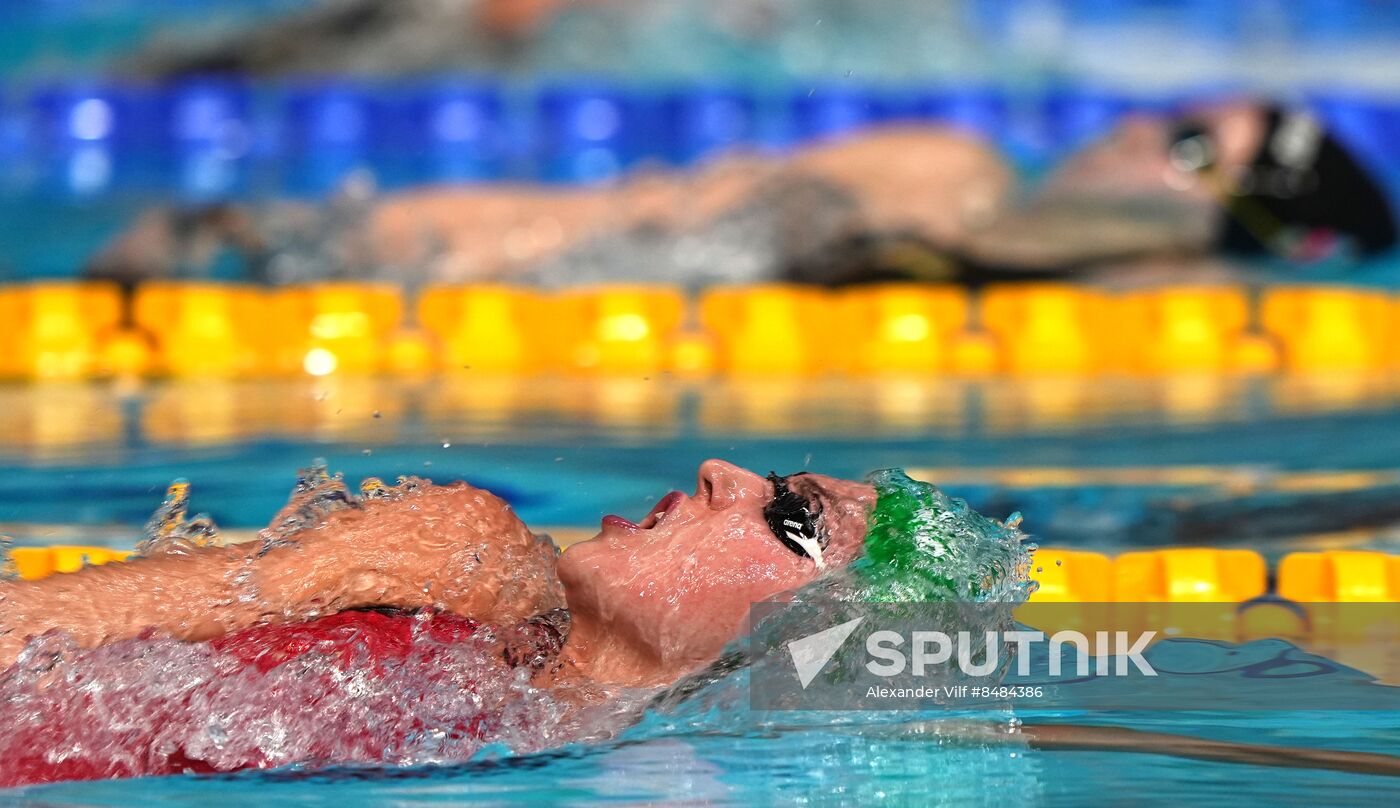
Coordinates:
353 36
1161 199
727 39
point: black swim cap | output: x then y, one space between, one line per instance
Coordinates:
1306 196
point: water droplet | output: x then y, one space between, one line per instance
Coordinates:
377 414
367 452
1059 562
447 444
374 488
171 530
316 495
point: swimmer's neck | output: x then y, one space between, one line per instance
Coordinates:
598 652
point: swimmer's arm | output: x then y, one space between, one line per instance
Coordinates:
204 593
452 547
915 179
190 596
487 232
493 232
921 179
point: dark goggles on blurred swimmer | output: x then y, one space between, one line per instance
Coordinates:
795 520
1192 148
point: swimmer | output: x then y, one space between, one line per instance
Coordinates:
355 579
1162 199
356 36
686 572
336 590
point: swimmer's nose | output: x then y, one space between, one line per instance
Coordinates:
722 485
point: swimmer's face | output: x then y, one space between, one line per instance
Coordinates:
1146 156
679 582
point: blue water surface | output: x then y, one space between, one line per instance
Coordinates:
746 758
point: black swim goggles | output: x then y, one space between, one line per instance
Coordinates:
795 520
1192 148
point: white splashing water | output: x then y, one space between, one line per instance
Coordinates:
154 706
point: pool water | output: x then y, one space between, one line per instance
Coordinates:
1275 465
666 760
95 459
1101 462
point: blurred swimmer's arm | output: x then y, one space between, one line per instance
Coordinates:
455 548
469 233
940 185
498 232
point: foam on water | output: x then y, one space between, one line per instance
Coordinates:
151 706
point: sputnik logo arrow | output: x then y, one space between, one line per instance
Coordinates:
811 653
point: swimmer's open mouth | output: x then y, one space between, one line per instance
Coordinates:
654 517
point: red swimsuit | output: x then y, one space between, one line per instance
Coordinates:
283 670
384 635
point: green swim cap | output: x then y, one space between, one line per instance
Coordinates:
923 545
